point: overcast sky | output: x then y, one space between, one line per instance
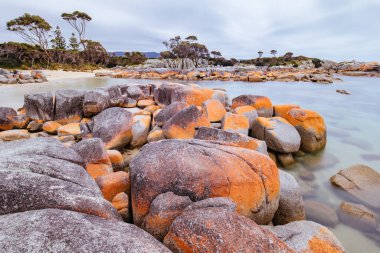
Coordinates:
329 29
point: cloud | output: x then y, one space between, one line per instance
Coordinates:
334 29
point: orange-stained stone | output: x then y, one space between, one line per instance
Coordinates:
69 129
235 123
214 110
51 127
281 110
115 156
120 201
262 104
98 170
114 183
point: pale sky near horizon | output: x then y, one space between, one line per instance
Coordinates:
328 29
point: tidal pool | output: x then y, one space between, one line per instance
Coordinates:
353 128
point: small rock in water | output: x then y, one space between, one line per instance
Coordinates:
358 216
306 175
321 213
343 92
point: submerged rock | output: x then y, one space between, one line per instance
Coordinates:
53 230
358 216
360 181
321 213
204 169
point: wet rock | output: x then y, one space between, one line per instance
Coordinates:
358 216
306 175
235 123
41 173
203 169
220 230
291 206
262 104
182 125
39 106
21 121
140 130
279 135
308 236
94 102
361 182
53 230
285 159
248 111
311 127
321 213
163 210
68 106
114 127
212 134
34 126
7 115
13 135
51 127
214 110
168 112
114 183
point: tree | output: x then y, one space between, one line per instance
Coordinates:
74 45
216 54
32 29
78 20
273 52
58 41
94 52
135 58
260 54
288 55
197 52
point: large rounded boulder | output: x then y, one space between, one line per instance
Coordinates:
311 127
205 169
53 230
262 104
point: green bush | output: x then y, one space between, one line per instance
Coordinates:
10 63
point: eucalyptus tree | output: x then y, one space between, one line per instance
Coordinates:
260 54
273 52
78 20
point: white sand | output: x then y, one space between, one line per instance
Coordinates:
60 74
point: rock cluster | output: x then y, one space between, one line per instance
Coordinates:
203 183
235 74
35 76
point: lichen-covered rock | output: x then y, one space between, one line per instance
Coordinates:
214 110
115 96
135 92
163 93
216 229
114 183
213 134
21 121
156 134
308 236
290 207
311 127
140 130
34 126
68 106
14 134
92 151
235 123
53 230
219 202
168 112
121 203
162 212
262 104
41 173
282 110
39 106
249 111
321 213
182 125
189 95
70 129
204 169
95 101
360 181
6 118
114 127
116 159
279 135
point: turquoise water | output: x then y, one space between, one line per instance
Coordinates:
353 126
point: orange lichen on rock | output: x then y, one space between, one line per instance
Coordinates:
281 110
51 127
214 110
114 183
96 170
236 123
262 104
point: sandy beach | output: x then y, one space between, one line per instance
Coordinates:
53 75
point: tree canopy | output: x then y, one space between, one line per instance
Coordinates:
78 20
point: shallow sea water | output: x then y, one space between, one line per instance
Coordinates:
353 128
